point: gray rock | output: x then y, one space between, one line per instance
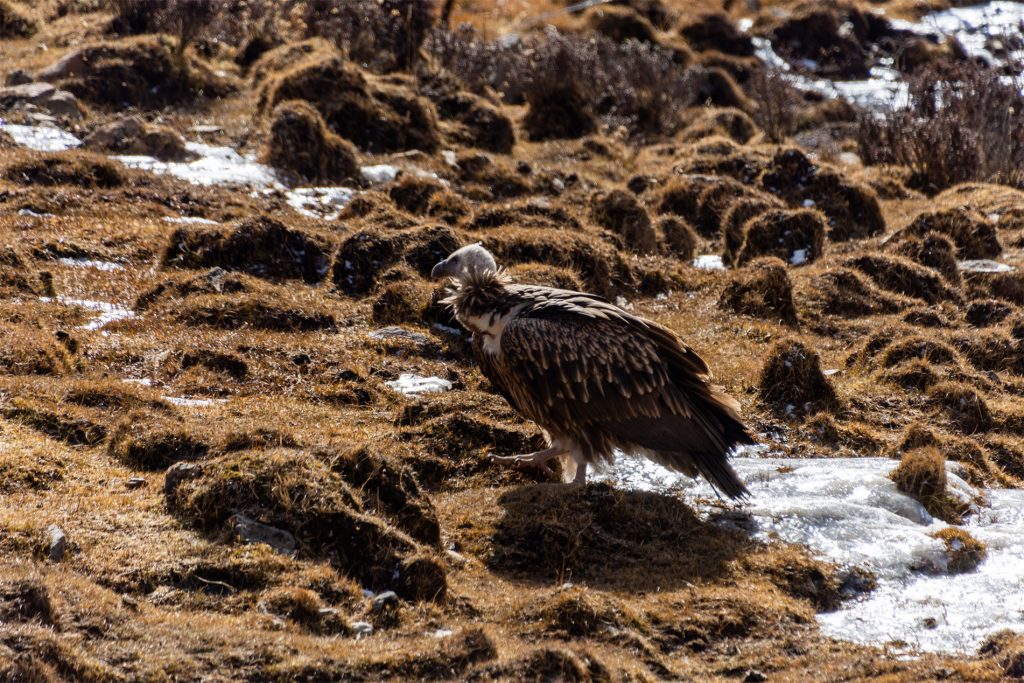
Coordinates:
57 542
248 530
57 102
179 472
71 64
135 483
361 629
383 601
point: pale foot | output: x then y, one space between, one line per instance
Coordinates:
538 459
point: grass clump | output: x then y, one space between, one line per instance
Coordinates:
792 384
762 290
81 169
964 551
258 246
620 212
902 276
975 236
14 23
300 145
794 235
921 474
965 408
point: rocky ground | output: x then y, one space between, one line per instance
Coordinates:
207 472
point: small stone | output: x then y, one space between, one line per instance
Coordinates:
43 95
384 600
248 530
396 332
362 629
754 676
135 483
523 167
57 542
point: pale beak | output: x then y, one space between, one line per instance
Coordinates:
439 271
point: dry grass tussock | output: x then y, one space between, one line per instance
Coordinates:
229 461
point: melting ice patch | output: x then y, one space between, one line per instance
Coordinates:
106 311
40 138
320 202
847 510
91 263
215 165
978 26
984 266
414 385
708 262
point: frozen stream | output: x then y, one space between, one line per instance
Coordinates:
847 510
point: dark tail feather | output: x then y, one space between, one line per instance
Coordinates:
720 474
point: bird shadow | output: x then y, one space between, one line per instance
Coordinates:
609 538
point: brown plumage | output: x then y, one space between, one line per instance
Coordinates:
593 376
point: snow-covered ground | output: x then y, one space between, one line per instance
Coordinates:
847 510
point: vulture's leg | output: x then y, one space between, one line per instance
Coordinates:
538 459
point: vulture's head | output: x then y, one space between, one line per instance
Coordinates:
465 263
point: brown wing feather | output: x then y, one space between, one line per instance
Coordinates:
575 364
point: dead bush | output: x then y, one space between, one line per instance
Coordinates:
387 35
762 290
678 239
367 254
620 23
413 193
987 312
776 103
478 123
974 235
921 473
846 292
735 219
961 124
301 146
935 251
792 384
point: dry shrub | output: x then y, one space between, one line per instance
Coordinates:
701 200
905 277
919 348
735 219
716 31
448 207
405 301
269 310
383 118
364 256
304 608
853 210
762 290
1007 453
858 438
215 281
993 352
713 85
964 551
1005 286
70 424
965 408
978 465
678 239
635 84
301 146
620 212
215 361
528 214
578 612
975 236
14 23
258 246
847 293
81 169
961 124
792 384
932 250
388 35
300 493
776 103
922 475
25 600
783 233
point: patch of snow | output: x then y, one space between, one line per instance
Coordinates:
320 202
798 258
977 25
107 312
414 385
91 263
216 165
984 266
141 381
708 262
380 173
190 220
847 510
193 402
41 138
34 214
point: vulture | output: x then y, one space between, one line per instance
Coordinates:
594 377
